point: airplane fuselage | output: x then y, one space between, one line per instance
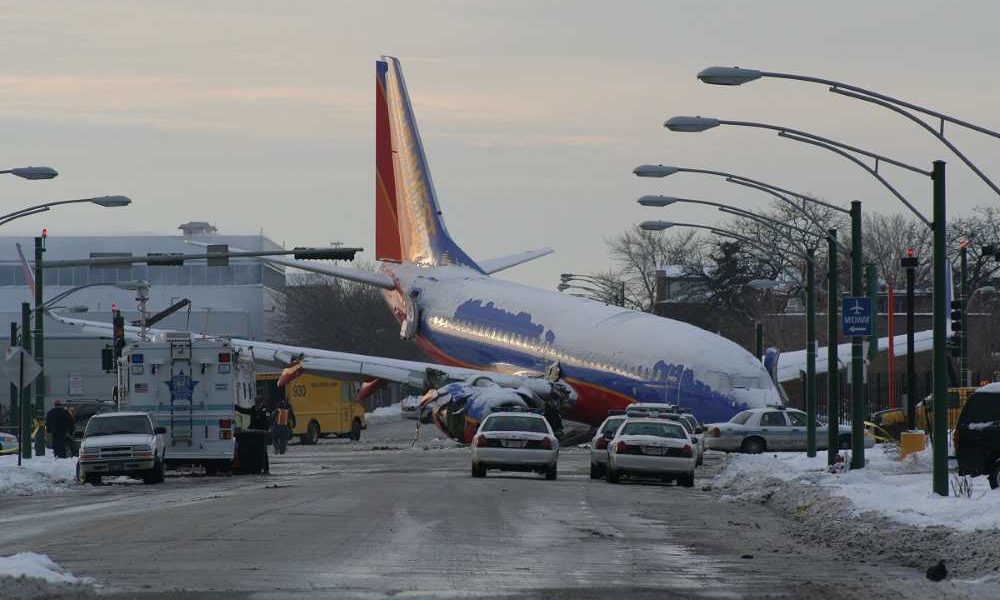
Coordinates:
611 356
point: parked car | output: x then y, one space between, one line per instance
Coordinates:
121 443
772 428
515 441
599 445
651 448
977 435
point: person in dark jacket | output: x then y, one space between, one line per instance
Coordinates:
284 422
59 423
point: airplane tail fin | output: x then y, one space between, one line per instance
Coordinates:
408 222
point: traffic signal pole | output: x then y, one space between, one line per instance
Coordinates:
940 351
811 352
26 410
857 347
963 331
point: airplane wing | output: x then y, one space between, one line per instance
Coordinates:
419 374
493 265
791 365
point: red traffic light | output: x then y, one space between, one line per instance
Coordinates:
910 252
45 233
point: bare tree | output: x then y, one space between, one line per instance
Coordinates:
638 253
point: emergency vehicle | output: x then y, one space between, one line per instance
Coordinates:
323 406
190 387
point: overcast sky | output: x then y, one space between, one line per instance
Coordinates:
260 115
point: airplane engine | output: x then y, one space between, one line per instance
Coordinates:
458 408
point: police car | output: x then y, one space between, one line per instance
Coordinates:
672 412
515 441
8 443
599 445
652 448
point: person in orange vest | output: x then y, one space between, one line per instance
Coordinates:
283 424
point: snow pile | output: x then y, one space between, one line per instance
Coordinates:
39 566
36 475
888 487
387 412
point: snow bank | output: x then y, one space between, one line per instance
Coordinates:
39 566
36 475
387 412
898 490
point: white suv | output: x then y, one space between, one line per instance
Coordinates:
121 443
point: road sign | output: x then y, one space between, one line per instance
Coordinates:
856 317
11 366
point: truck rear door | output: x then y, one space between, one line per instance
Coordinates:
181 393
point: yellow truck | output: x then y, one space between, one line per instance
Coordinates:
323 406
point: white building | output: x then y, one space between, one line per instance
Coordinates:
242 299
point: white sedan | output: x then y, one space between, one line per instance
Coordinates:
515 441
652 448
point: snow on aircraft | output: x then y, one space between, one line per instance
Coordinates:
495 342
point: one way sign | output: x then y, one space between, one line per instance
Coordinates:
857 316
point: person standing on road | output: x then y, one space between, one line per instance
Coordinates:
59 423
284 423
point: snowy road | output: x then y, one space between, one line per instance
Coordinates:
379 519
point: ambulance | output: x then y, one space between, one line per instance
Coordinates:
191 388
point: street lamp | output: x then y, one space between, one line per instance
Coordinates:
32 172
737 76
104 201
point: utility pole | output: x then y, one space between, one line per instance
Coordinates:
832 359
39 332
909 263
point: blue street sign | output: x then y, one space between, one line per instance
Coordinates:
856 316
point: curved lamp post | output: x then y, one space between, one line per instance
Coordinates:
737 76
105 201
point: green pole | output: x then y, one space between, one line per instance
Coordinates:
14 405
39 332
811 352
832 360
758 340
939 431
26 410
963 333
857 348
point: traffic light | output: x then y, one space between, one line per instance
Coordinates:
165 259
956 315
118 329
324 253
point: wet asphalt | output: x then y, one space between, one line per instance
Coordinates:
382 519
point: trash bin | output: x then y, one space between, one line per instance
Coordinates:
251 452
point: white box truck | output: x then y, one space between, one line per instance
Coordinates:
189 387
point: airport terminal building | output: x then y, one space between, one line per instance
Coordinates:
244 298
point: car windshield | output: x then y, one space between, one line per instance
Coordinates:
665 430
611 426
741 418
118 425
515 423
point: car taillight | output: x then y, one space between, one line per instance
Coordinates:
686 450
715 432
621 448
602 443
225 423
547 443
481 441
